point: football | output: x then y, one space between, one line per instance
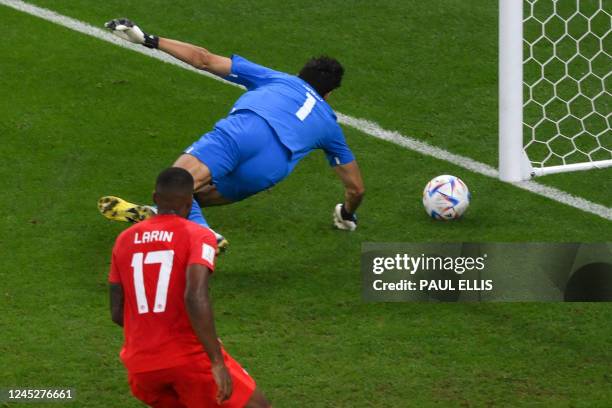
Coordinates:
446 197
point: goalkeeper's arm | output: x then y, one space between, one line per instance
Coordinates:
345 217
196 56
354 189
193 55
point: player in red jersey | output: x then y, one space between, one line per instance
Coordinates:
159 295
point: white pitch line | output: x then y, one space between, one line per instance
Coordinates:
376 131
363 125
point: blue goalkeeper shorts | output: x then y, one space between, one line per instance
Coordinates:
244 155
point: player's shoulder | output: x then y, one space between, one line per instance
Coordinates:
336 128
199 231
242 64
180 225
127 235
128 232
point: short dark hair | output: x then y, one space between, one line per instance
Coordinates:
323 73
175 181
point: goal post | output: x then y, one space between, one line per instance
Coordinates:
513 163
555 82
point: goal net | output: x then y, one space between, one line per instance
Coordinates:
555 80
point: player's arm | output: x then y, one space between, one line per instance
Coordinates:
350 175
116 303
199 309
341 158
344 214
197 57
193 55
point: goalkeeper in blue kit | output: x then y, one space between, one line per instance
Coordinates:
271 127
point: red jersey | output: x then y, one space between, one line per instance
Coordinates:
150 261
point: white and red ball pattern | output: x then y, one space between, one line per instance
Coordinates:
446 197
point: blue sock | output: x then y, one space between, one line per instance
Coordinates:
196 215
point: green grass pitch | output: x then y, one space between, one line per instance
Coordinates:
81 118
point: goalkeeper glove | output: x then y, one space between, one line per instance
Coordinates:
343 219
127 30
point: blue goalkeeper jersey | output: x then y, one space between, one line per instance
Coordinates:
301 118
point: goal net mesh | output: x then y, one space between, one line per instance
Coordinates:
567 80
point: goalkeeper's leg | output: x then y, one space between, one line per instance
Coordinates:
209 196
213 151
118 209
195 215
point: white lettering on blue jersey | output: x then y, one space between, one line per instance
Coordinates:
306 108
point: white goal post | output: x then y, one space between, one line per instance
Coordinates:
555 84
